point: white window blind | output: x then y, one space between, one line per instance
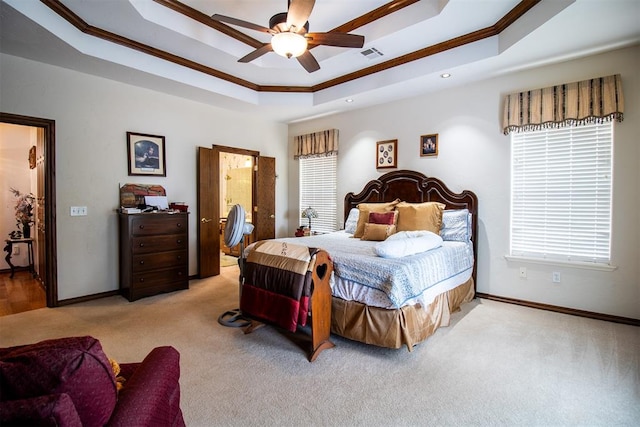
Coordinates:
561 183
318 190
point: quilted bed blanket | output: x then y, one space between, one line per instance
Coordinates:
277 283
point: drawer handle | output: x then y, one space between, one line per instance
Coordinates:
141 262
179 225
141 279
142 245
179 241
141 227
179 273
179 257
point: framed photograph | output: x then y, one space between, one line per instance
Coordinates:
146 154
429 145
32 157
386 154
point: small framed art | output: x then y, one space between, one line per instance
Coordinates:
429 145
146 154
32 157
386 154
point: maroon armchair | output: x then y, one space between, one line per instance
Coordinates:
70 382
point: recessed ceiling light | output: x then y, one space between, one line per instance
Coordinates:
445 75
348 100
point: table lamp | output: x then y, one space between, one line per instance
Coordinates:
309 213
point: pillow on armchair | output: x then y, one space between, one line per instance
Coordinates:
76 366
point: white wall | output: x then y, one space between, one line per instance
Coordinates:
92 117
475 155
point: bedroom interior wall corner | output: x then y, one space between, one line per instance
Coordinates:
474 154
92 117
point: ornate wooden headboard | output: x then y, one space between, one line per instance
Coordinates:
415 187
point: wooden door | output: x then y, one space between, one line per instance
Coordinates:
264 191
265 197
208 215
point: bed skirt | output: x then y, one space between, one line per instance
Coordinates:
409 325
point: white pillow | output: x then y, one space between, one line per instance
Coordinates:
352 221
405 243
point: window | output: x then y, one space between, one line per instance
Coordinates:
561 193
318 190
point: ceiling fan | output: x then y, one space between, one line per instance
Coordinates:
291 37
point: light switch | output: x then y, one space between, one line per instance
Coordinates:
78 211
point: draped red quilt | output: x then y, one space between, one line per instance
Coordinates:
277 283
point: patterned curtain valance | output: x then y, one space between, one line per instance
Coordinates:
323 143
589 101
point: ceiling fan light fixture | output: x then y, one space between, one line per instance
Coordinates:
288 44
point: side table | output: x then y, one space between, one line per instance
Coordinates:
9 250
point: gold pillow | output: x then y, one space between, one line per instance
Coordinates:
377 232
420 216
366 208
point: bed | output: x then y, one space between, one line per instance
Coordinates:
399 301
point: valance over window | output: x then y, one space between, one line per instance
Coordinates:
589 101
323 143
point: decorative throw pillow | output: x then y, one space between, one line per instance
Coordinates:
366 208
388 218
377 232
420 216
456 225
406 243
76 366
352 221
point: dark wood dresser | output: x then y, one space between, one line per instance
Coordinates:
154 253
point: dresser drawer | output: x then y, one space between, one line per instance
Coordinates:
155 278
142 245
165 224
154 253
154 261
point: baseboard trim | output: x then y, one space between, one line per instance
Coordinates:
87 298
564 310
93 297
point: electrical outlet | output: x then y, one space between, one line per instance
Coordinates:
78 211
555 277
16 250
523 272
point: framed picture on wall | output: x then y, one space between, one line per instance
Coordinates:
429 145
386 154
146 154
32 157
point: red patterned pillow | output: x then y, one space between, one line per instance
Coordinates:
386 218
76 366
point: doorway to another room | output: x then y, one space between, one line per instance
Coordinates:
28 268
228 176
236 188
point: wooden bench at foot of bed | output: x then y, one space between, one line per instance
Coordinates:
319 307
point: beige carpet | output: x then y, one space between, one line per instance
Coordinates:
497 364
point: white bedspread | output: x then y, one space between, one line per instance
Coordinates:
391 282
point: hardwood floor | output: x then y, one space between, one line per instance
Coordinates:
22 293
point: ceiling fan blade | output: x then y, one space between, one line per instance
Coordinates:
335 39
308 62
266 48
240 23
298 13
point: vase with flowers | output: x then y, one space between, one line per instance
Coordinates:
24 213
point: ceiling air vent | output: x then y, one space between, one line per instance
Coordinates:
371 53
